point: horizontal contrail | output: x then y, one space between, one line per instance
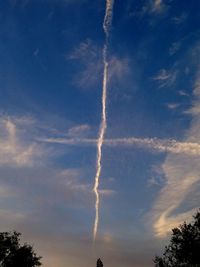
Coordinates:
159 145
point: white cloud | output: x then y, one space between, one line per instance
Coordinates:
154 7
183 93
165 145
181 174
79 130
14 150
172 105
165 78
119 68
166 222
107 192
85 51
179 19
158 6
181 180
90 58
194 110
174 48
152 182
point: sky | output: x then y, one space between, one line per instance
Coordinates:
51 81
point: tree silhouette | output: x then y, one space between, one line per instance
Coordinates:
184 247
99 263
12 254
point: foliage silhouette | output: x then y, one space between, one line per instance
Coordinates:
184 247
12 254
99 263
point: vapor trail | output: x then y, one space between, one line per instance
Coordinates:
106 26
160 145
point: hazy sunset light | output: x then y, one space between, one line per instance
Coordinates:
99 126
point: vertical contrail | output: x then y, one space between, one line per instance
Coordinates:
106 26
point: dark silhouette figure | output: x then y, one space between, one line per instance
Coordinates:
12 254
99 263
184 247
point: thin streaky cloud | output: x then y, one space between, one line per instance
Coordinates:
172 105
181 179
165 78
78 130
85 50
181 175
152 182
88 54
179 19
154 7
166 145
183 93
119 69
174 48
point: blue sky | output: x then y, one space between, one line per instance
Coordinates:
51 73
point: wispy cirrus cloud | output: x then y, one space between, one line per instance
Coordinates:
172 105
174 48
152 181
79 130
165 78
85 50
183 93
179 19
119 69
89 56
107 192
181 180
13 149
154 7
